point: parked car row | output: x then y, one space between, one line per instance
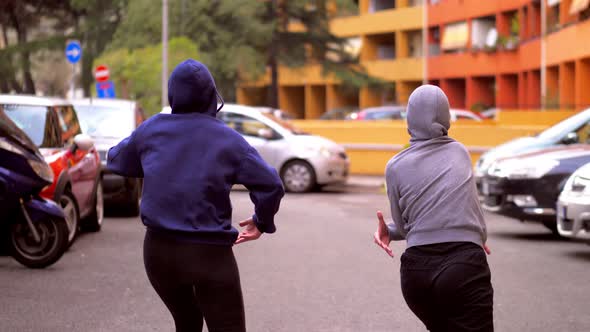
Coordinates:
542 178
399 113
396 112
73 137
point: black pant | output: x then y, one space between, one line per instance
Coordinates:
448 286
195 281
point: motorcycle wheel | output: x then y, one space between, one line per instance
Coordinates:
54 242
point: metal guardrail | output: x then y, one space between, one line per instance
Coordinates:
398 147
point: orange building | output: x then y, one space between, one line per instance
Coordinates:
387 35
509 54
493 53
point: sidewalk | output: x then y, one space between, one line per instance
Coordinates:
366 181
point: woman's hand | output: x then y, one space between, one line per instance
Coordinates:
249 233
382 234
487 249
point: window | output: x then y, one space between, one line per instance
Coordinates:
455 36
39 124
245 125
584 133
377 5
70 127
106 121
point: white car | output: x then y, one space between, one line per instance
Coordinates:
573 206
457 114
303 161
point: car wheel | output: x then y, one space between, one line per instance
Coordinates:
298 177
72 216
94 221
134 202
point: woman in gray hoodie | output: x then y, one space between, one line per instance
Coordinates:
445 276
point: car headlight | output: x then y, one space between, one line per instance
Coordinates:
42 170
323 151
517 170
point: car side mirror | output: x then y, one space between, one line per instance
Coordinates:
83 142
570 138
266 133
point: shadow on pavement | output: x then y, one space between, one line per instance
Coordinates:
537 237
580 255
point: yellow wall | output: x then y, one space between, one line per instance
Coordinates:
545 118
385 138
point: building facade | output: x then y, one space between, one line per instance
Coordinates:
497 54
508 54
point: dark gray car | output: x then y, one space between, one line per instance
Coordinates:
109 121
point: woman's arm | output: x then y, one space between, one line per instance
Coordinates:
124 158
265 186
396 230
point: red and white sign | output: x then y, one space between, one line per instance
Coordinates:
101 73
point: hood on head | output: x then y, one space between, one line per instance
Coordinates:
428 113
191 89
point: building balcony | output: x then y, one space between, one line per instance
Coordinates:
568 44
459 10
481 63
407 18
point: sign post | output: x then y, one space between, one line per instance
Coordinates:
73 55
104 87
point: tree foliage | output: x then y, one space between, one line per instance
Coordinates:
312 43
46 25
230 34
23 18
136 72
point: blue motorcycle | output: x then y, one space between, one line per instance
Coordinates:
34 229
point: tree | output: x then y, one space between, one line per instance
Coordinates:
315 43
24 18
229 33
95 23
136 72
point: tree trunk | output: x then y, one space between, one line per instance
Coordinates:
273 91
21 34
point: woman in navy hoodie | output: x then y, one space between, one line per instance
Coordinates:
189 162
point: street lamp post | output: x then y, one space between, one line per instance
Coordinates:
164 53
543 54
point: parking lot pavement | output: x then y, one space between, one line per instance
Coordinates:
319 272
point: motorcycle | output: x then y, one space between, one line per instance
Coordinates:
34 229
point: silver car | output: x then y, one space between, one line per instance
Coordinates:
573 206
304 162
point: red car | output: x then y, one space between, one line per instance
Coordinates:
53 126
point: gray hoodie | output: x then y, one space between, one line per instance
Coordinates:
430 184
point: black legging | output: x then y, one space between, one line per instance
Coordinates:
195 281
448 286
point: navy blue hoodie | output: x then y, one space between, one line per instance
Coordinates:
189 162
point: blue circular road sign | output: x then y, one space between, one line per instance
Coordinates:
73 51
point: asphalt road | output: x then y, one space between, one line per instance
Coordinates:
319 272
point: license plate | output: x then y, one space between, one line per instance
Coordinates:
485 188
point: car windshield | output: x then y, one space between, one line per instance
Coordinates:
30 119
566 126
286 125
105 121
10 130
